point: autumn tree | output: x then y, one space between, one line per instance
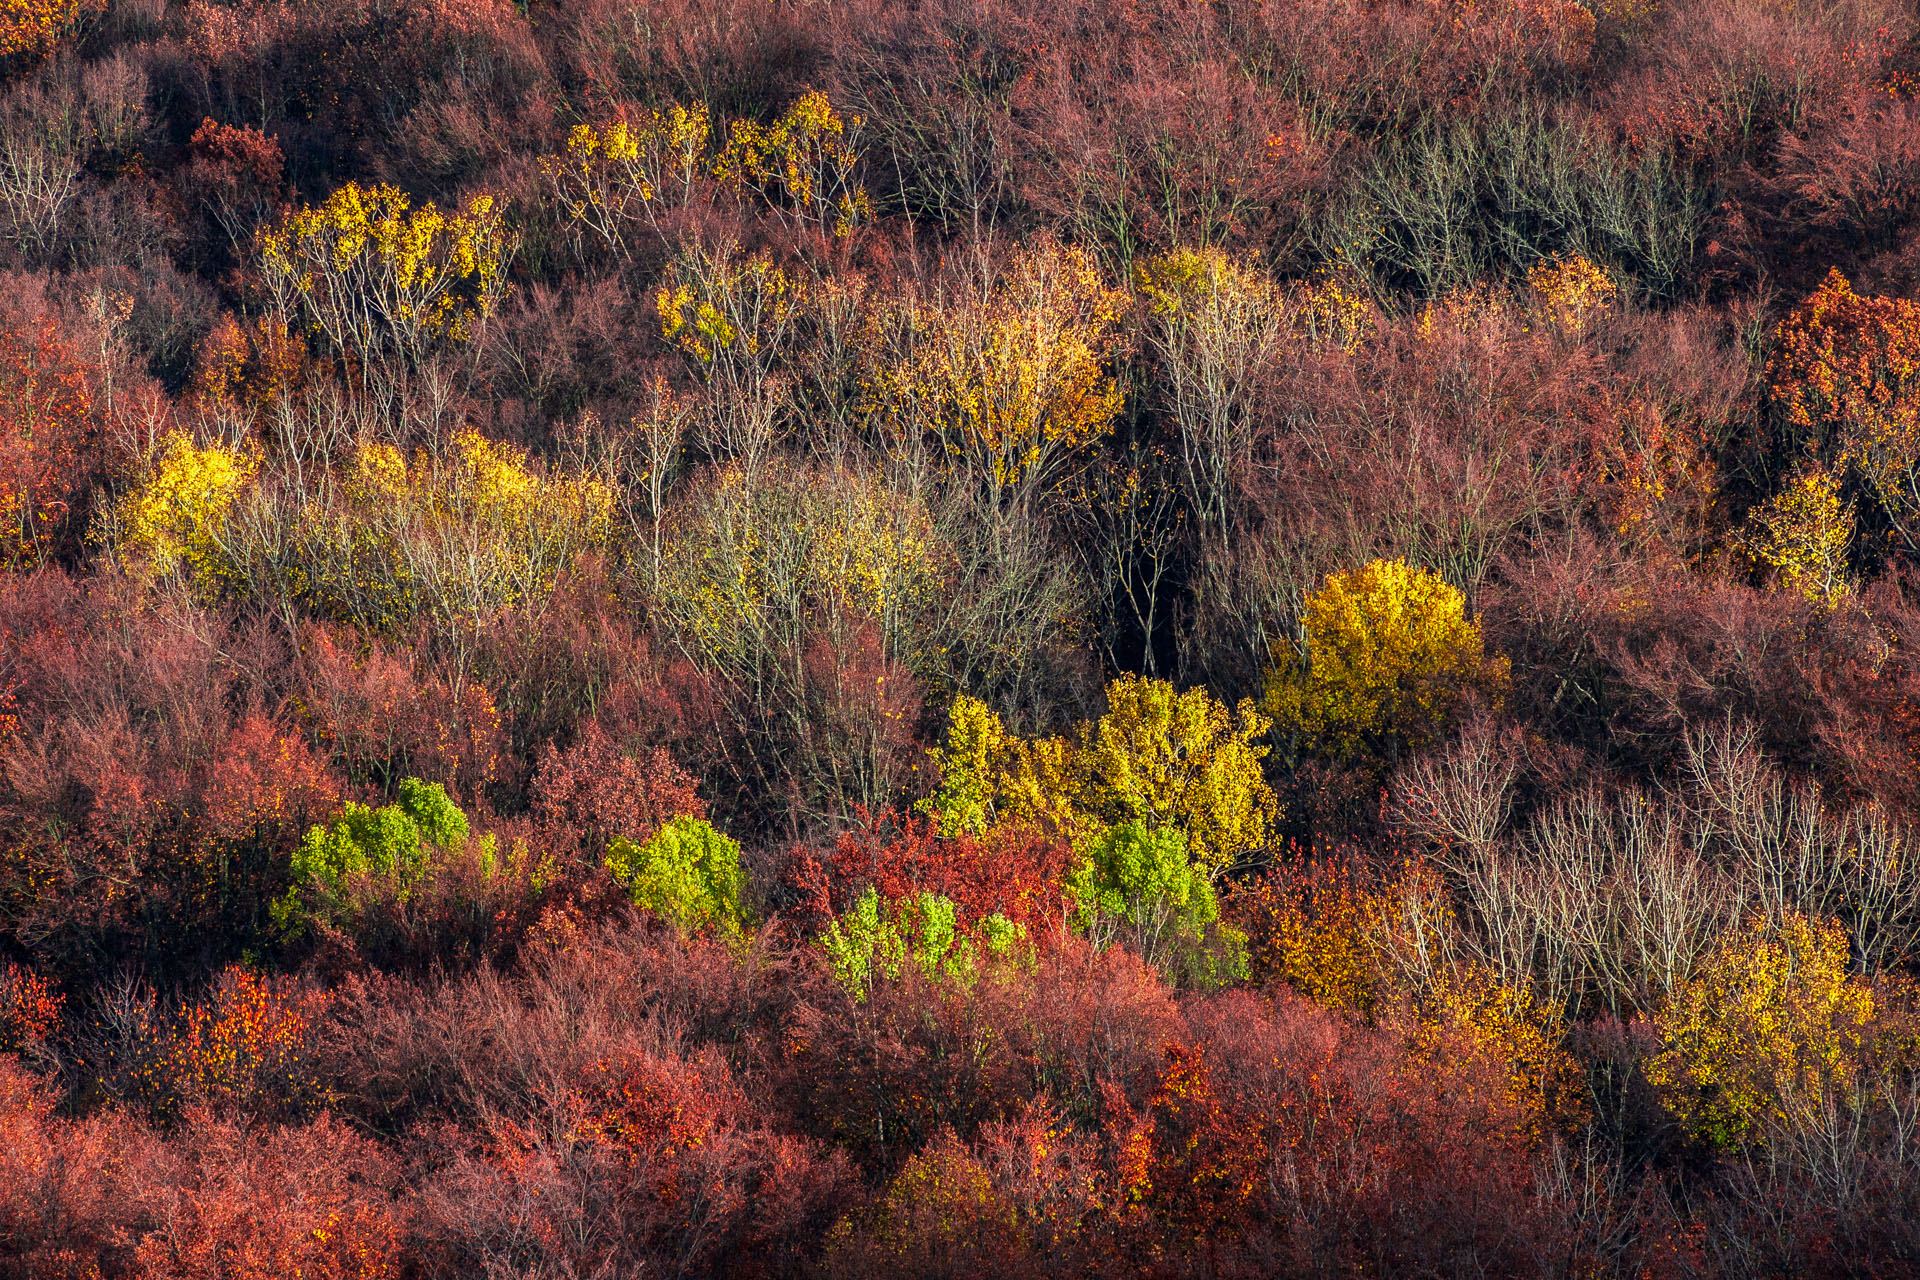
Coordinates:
51 452
1011 379
1842 377
1158 756
686 873
1771 1012
1389 659
379 280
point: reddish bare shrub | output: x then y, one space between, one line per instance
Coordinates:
1618 658
64 1208
642 1162
595 791
309 1200
51 452
151 817
382 714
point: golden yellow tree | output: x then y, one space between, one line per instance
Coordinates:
1390 658
1159 757
382 540
616 174
1012 381
176 521
1774 1011
1804 533
378 278
1572 290
803 164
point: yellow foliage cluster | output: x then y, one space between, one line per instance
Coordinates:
460 535
1772 1013
720 306
806 157
454 536
1803 533
802 164
1390 658
29 29
1334 314
615 173
1158 757
1508 1025
1183 280
1011 379
1385 946
1318 928
176 521
1572 289
1461 311
1210 289
372 273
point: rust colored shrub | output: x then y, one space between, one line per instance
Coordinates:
1013 870
309 1200
640 1162
65 1207
51 450
596 791
383 713
29 1008
245 1052
151 794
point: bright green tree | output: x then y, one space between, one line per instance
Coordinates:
1141 883
875 939
392 840
688 874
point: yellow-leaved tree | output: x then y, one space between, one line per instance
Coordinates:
450 536
1774 1014
378 279
803 165
1803 534
1390 660
1010 382
1572 290
616 174
1159 757
177 521
29 29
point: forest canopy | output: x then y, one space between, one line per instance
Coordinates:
790 638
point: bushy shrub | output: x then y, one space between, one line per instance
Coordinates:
686 873
1158 757
1139 883
1772 1013
393 841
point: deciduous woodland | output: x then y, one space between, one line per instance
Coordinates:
912 638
